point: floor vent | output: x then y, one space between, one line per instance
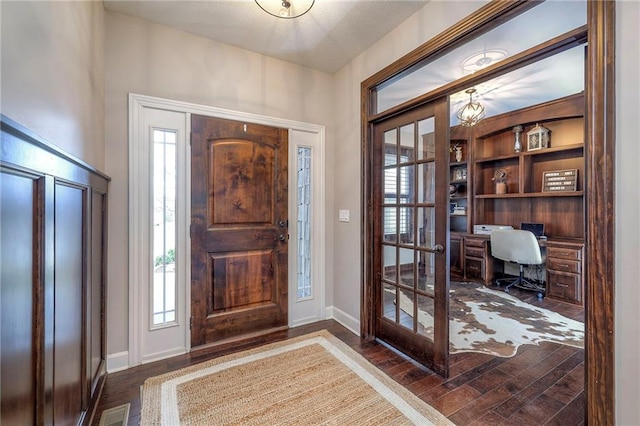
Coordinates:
116 416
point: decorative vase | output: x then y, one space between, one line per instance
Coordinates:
518 145
458 154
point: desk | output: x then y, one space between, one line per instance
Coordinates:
563 265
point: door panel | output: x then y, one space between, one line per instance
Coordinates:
239 242
410 165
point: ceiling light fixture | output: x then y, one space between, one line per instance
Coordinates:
481 60
285 9
470 114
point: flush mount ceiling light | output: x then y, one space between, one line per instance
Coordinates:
470 114
481 60
285 9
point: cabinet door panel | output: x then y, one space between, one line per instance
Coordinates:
475 268
17 349
68 307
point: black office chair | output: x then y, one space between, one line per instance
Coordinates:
521 247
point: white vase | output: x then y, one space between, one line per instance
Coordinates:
458 154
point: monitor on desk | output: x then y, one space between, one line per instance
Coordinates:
536 228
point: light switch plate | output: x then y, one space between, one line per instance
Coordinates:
343 215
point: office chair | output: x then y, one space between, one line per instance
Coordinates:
521 247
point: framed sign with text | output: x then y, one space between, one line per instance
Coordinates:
560 180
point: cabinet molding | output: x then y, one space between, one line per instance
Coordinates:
58 206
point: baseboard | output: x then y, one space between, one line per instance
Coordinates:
164 355
349 322
120 360
117 362
304 321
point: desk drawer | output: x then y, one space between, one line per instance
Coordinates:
564 252
563 265
474 251
564 286
475 242
474 268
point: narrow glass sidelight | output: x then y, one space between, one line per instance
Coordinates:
164 228
304 286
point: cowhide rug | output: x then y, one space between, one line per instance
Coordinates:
496 323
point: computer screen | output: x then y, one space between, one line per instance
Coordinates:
536 228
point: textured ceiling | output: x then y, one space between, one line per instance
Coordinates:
327 38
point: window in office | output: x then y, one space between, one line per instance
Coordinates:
304 286
164 227
397 191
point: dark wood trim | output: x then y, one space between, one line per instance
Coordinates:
599 153
489 16
600 197
36 153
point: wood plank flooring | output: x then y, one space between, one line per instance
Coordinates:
539 385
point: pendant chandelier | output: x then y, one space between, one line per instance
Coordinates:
470 114
285 9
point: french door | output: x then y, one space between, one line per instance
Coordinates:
410 196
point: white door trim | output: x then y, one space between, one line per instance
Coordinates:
137 104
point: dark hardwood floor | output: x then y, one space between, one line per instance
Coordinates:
539 385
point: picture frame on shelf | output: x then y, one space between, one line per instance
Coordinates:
459 211
460 174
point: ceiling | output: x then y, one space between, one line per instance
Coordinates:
334 32
327 38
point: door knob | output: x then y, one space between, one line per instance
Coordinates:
438 248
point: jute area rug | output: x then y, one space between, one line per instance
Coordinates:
311 380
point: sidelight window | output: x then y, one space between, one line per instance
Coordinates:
164 227
304 223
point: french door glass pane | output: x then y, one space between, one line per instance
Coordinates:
425 321
426 272
390 148
389 301
426 182
426 226
407 138
426 139
164 229
406 314
406 266
389 266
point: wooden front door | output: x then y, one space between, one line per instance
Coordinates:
238 229
410 197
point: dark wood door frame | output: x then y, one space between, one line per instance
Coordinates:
600 179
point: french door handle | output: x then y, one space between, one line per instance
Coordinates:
438 248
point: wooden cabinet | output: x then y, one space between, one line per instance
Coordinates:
478 263
490 152
456 247
562 212
459 203
52 256
564 262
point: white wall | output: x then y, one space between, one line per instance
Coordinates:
53 73
150 59
627 205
